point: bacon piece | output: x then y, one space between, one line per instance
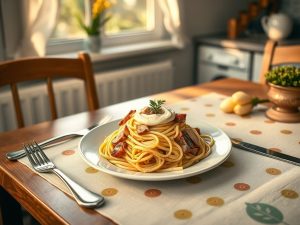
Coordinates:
121 136
146 110
191 134
186 147
181 141
187 143
198 130
188 140
141 129
180 118
127 117
194 151
119 150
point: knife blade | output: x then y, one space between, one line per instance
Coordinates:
265 152
15 155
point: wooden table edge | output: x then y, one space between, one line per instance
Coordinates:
11 176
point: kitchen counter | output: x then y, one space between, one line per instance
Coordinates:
217 56
248 43
255 43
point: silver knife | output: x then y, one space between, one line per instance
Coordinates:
58 139
265 152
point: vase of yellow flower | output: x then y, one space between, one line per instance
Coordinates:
97 21
93 43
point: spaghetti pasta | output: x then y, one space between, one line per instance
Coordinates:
167 146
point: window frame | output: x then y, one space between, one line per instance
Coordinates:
2 38
65 45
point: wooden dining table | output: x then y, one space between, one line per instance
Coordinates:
48 204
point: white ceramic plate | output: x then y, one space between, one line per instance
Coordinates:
90 143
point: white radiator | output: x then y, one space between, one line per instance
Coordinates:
112 87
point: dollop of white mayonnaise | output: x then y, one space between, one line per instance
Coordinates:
155 119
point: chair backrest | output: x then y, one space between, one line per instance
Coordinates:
43 68
275 54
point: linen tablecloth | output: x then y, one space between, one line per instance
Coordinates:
246 189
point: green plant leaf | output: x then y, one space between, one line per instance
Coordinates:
264 213
155 106
103 22
95 25
288 76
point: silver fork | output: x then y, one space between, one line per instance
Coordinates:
21 153
42 164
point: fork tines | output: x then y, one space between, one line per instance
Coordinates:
35 154
41 163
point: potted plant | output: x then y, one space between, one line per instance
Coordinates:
284 92
97 21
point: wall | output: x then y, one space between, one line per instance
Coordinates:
11 15
200 17
210 16
2 43
292 8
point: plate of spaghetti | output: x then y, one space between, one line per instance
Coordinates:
155 144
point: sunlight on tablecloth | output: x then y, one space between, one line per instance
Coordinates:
246 189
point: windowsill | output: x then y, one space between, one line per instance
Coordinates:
133 50
113 53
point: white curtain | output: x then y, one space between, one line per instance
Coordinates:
39 21
173 21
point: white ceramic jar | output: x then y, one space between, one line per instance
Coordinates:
277 26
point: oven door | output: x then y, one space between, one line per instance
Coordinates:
209 72
216 63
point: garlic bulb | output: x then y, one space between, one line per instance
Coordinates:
227 105
242 110
240 103
241 98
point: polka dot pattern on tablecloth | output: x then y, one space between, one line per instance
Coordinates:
241 186
273 171
286 131
215 201
91 170
152 193
183 214
255 132
288 193
108 192
68 152
242 182
230 124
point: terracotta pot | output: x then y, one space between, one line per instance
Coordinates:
286 103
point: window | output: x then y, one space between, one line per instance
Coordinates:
67 26
132 21
131 16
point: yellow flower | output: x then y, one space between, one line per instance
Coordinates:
97 21
99 6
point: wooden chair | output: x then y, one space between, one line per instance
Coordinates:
29 69
275 54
